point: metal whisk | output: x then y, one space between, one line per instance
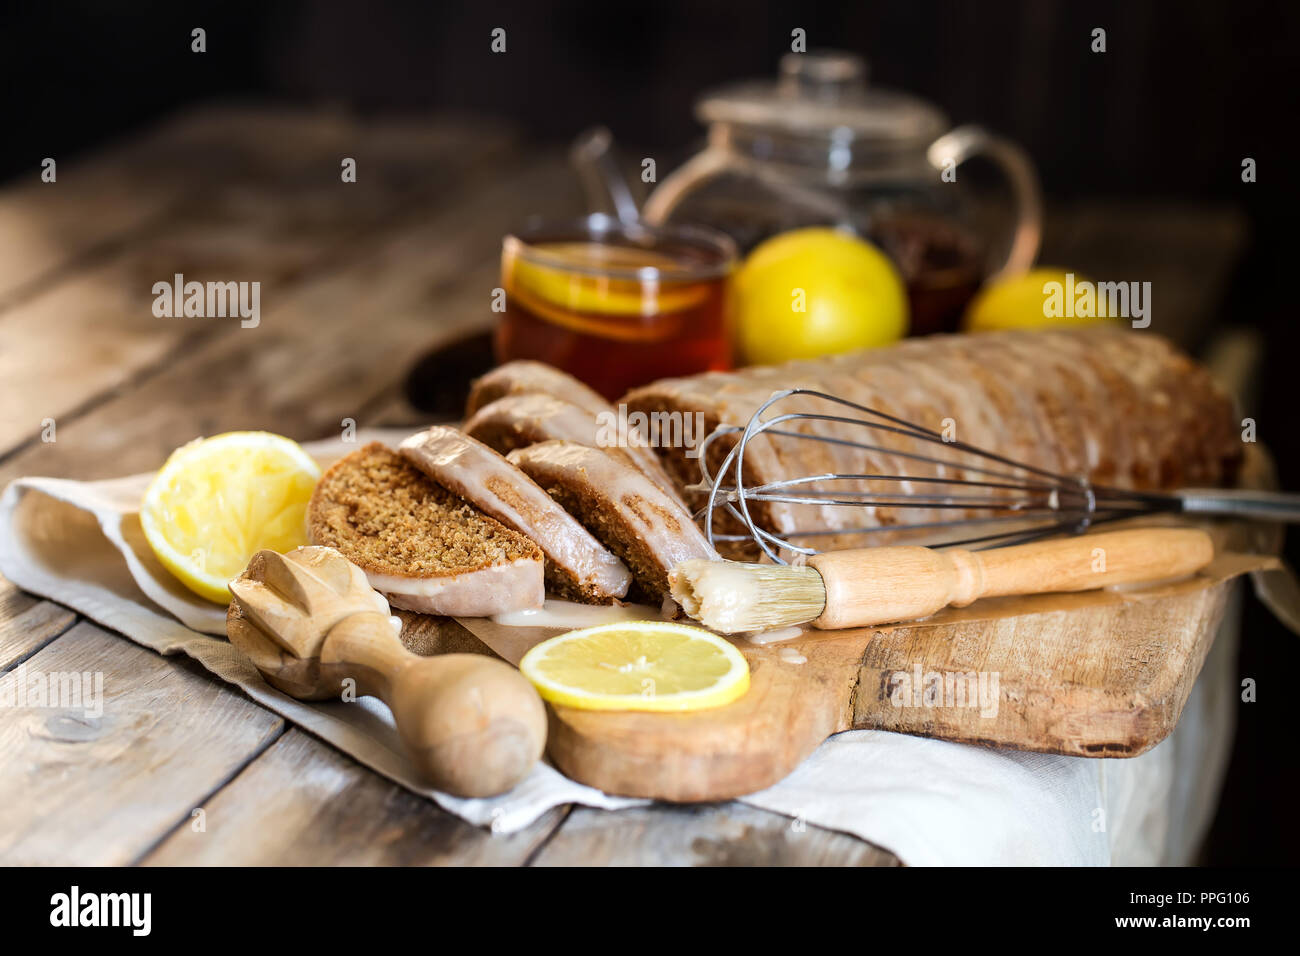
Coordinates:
989 500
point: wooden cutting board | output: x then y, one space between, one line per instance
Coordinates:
1094 674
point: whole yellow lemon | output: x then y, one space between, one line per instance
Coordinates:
1029 301
814 292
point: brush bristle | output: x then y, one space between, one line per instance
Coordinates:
732 597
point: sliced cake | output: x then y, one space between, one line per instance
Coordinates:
577 565
520 420
525 377
649 530
517 421
424 547
1119 407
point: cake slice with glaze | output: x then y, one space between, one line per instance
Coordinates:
617 503
525 377
577 565
522 419
424 547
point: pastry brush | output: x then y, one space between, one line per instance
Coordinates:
870 586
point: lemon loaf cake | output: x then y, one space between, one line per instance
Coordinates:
577 565
524 377
520 420
650 531
1119 407
424 547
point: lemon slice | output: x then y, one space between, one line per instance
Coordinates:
637 665
558 284
660 328
218 501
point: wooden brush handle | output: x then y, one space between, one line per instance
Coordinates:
474 726
889 584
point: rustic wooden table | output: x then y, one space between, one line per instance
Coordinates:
358 280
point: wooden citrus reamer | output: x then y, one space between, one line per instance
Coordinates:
472 725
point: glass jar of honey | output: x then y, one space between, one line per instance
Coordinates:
616 305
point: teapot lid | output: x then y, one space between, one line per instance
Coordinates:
824 93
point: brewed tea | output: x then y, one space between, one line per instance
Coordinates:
617 308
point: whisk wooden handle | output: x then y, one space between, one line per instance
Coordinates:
888 584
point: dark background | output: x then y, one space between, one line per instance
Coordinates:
1183 93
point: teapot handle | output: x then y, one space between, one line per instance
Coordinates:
961 144
700 169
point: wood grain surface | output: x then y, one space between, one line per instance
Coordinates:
708 835
1095 673
91 790
302 803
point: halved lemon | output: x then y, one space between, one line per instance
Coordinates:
218 501
637 665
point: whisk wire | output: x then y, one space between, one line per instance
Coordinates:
1023 502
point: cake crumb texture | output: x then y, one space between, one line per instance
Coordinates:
384 515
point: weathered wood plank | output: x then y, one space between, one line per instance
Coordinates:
25 631
93 202
304 803
110 197
13 600
87 789
728 834
270 223
324 352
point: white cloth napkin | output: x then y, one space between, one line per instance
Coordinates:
930 802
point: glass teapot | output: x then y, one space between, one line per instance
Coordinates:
820 147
